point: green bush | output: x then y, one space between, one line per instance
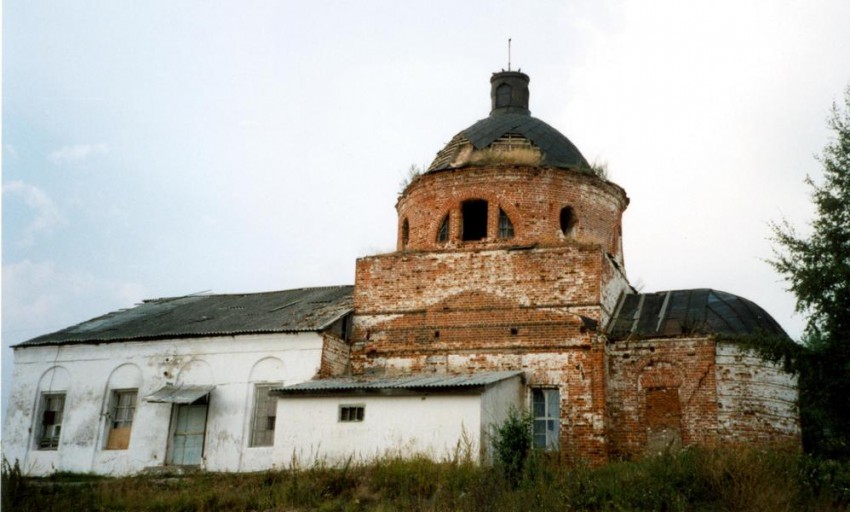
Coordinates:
512 444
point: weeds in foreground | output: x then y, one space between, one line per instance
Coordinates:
691 480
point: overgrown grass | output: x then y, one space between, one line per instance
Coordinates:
739 479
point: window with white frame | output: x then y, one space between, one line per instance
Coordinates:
265 415
546 409
52 410
122 409
352 413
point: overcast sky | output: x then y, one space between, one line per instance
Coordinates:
161 148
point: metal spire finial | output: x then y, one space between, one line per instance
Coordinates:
509 54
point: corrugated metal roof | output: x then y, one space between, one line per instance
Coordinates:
683 312
171 394
407 382
304 309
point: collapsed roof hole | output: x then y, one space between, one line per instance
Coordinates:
474 220
568 220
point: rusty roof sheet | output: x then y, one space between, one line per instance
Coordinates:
430 381
685 312
304 309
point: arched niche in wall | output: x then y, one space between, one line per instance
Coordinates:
268 369
50 407
55 379
120 400
195 372
126 376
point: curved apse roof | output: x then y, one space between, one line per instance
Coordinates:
684 312
510 126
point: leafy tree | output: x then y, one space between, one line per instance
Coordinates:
817 269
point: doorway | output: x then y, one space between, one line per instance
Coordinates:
189 426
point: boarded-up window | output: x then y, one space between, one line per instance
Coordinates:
52 410
121 412
265 415
546 410
663 418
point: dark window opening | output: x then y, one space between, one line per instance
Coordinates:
405 233
351 413
506 227
52 409
503 96
568 220
443 232
474 220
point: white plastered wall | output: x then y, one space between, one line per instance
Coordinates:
439 426
89 373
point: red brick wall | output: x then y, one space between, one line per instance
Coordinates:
660 369
490 310
531 196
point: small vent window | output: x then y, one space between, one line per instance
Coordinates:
443 232
568 220
405 233
503 96
351 413
506 227
474 220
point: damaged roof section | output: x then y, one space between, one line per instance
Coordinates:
396 385
685 312
301 310
556 150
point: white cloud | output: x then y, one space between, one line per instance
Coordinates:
46 214
77 153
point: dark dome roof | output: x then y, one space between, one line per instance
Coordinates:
510 127
683 312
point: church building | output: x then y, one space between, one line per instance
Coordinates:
507 291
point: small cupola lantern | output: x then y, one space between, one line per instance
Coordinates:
509 93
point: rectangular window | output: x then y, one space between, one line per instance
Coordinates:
122 408
474 218
265 415
52 409
546 409
350 413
